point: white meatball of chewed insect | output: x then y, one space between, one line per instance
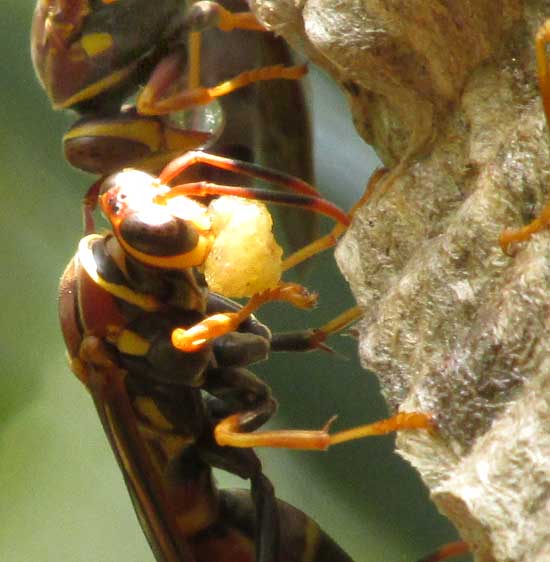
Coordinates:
245 258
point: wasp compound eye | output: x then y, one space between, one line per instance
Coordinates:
157 233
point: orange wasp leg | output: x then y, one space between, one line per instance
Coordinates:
192 339
337 324
157 99
168 71
329 240
179 165
232 432
204 188
513 236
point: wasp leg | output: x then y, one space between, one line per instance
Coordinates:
236 390
247 465
89 204
194 338
217 303
154 99
243 403
232 432
307 202
291 183
238 349
205 15
447 551
309 340
93 357
513 236
329 240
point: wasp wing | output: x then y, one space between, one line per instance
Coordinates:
153 509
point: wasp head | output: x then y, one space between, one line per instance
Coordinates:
157 230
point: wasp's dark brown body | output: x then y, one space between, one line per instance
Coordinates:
159 407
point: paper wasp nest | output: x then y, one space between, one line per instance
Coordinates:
447 94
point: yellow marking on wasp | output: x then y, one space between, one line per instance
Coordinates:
184 140
311 540
194 44
87 260
158 429
197 517
133 344
173 445
145 132
97 87
96 43
149 409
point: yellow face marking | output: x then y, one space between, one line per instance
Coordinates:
96 43
86 258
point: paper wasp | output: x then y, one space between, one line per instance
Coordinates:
92 56
164 359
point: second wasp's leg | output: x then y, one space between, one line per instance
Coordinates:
153 101
194 338
512 236
201 16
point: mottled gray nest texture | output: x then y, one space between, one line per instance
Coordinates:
447 94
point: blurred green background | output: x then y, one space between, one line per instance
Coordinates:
62 497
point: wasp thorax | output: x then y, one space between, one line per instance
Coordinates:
245 257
